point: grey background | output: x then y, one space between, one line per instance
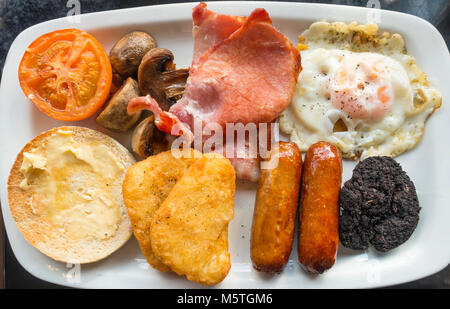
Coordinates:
17 15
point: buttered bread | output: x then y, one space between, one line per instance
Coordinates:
65 194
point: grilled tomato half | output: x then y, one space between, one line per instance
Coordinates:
66 74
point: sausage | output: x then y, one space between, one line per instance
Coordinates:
276 209
318 232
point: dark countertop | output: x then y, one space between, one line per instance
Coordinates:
17 15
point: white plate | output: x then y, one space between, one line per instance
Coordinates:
428 250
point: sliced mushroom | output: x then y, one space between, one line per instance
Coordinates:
117 81
175 83
127 53
147 140
115 117
158 77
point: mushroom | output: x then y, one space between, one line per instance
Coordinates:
147 140
159 78
115 117
127 53
117 82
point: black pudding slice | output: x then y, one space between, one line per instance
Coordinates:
378 206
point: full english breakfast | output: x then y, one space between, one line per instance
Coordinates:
345 92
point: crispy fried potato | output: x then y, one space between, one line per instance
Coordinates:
189 232
146 185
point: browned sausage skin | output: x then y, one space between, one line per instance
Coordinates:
318 234
275 210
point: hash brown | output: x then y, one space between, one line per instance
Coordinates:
189 232
147 184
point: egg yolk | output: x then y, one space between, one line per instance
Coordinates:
361 88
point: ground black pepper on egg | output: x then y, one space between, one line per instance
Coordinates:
379 206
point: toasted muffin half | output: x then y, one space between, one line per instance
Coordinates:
65 194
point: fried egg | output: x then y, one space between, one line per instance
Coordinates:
358 90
